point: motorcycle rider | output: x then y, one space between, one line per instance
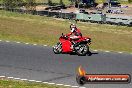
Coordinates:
75 32
74 35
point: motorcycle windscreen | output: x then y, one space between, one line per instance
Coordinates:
66 46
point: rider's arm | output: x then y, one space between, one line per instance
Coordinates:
69 34
79 37
79 33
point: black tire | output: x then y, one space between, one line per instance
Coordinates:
82 50
80 80
56 50
120 24
130 25
89 53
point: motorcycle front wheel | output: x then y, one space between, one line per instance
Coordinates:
57 49
82 49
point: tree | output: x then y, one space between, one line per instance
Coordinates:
61 2
11 4
18 3
8 4
30 4
49 2
72 1
77 3
129 1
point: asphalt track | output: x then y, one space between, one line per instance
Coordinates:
40 63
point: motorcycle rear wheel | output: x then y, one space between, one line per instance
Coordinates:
82 49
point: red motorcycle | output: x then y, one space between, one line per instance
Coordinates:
68 45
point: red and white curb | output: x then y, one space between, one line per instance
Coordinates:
41 82
52 46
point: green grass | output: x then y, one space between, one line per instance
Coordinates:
46 30
66 2
22 84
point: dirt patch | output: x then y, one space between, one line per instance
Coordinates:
41 7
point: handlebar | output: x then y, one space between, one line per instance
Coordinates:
64 36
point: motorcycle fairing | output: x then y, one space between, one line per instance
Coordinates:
66 46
